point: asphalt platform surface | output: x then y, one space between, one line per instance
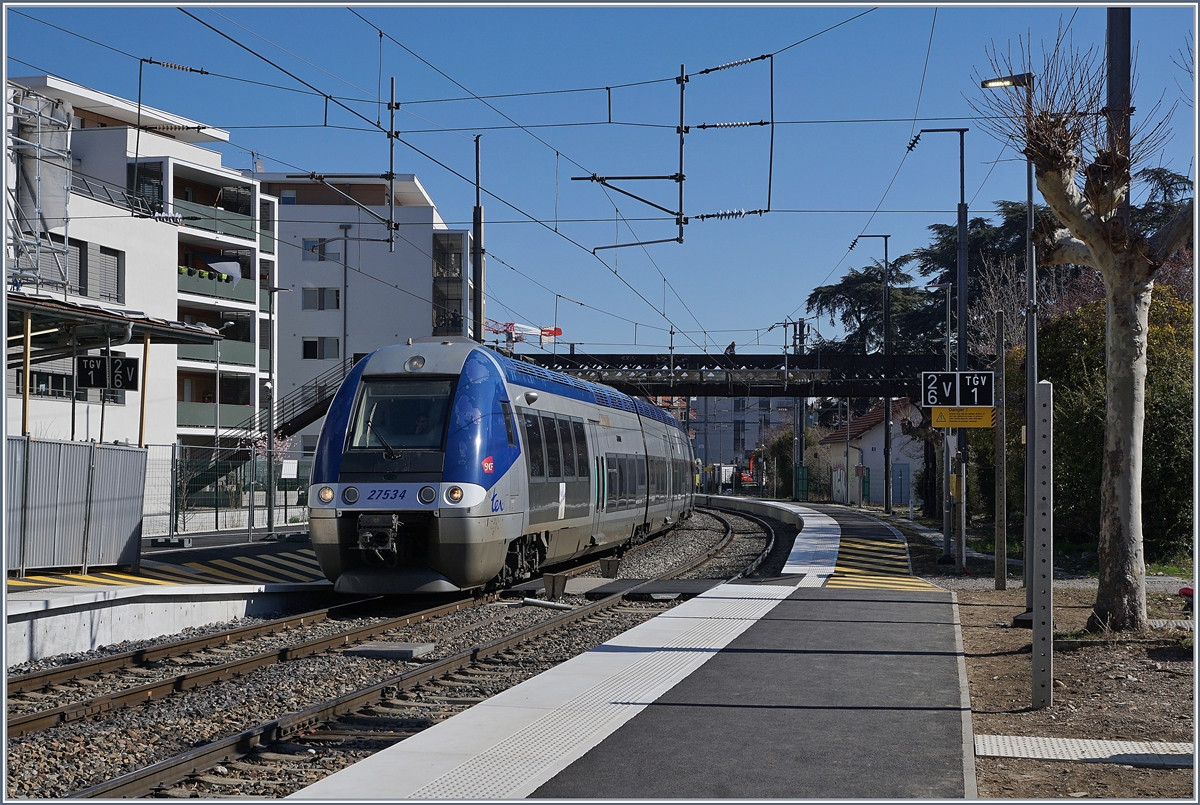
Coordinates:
833 694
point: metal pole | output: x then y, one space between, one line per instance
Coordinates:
270 428
217 401
74 378
391 172
87 516
174 527
477 252
1031 359
962 334
1043 551
887 401
25 362
145 389
1001 539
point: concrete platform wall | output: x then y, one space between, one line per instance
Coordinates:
778 509
46 623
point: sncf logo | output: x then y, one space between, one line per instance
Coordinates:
489 465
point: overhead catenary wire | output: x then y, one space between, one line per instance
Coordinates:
532 220
892 181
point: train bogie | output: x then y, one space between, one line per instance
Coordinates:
445 466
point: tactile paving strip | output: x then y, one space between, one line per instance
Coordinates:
515 766
1129 753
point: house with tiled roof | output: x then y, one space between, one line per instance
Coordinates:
861 456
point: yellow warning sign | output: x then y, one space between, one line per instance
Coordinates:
944 417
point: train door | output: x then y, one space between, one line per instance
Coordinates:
599 476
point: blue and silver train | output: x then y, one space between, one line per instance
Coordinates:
443 465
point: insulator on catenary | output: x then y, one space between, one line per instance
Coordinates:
731 64
732 125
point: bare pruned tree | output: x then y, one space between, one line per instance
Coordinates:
1084 155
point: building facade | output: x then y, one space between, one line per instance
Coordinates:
154 222
347 288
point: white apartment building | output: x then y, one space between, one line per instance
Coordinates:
346 290
156 224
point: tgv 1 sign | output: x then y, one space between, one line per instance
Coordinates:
958 389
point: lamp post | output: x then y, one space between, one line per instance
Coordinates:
887 353
960 556
946 558
217 393
270 386
1026 80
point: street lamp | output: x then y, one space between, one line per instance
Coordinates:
270 386
960 557
1026 80
217 393
887 353
946 558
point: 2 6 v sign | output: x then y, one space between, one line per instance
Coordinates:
957 389
104 372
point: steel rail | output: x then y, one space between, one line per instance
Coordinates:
44 719
158 776
87 668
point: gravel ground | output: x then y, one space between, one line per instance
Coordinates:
62 760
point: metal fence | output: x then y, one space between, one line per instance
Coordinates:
72 504
205 489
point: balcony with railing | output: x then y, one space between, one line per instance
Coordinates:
238 353
201 415
215 219
210 283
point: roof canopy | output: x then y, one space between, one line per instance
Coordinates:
53 321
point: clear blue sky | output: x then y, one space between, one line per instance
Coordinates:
730 279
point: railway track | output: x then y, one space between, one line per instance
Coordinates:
296 748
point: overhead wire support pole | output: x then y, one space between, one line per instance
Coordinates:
683 79
771 150
477 254
391 164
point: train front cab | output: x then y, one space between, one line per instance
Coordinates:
414 487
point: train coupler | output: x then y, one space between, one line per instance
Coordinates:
378 533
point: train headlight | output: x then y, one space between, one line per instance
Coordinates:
427 494
414 364
325 495
350 494
454 494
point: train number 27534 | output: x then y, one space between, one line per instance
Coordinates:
387 494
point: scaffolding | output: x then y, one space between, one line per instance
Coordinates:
37 146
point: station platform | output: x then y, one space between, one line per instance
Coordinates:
842 678
47 614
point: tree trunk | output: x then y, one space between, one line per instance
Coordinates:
1121 596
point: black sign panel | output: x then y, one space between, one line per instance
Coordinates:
123 373
91 372
939 388
102 372
976 390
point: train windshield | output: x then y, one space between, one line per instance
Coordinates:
401 414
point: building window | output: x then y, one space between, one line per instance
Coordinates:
287 197
320 349
264 215
149 182
308 444
321 299
318 249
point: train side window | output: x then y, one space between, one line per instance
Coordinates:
581 449
553 458
640 462
568 448
533 441
506 409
